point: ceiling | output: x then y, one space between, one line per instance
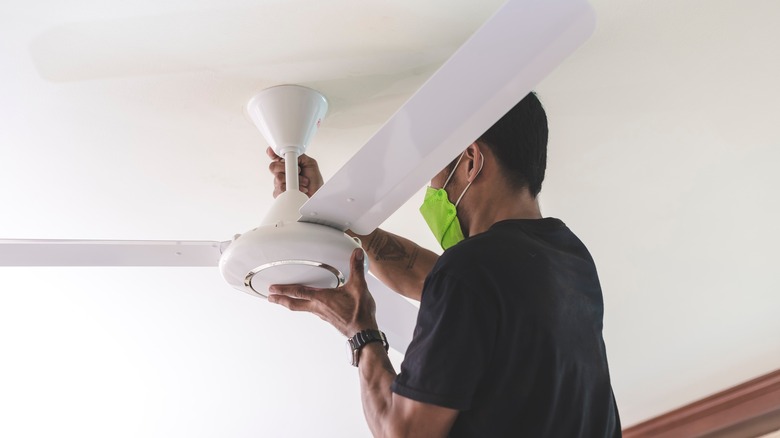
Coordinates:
124 120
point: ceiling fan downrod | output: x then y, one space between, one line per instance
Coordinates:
291 170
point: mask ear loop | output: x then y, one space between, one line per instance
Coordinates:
482 164
454 168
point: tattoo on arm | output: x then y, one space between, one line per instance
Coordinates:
413 258
385 247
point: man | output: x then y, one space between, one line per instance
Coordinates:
508 340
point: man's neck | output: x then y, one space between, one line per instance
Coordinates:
498 206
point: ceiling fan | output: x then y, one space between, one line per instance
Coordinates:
302 240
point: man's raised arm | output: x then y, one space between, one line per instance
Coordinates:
398 262
351 309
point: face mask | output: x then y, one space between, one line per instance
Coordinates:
441 215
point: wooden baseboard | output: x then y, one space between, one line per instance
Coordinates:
747 410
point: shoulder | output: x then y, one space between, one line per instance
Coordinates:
465 259
467 268
509 250
486 250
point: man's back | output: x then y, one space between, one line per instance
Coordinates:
509 334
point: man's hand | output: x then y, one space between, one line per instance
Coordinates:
349 308
309 176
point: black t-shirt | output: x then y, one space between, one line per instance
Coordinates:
509 334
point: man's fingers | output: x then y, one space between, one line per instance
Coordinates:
276 167
295 297
272 155
278 170
292 303
293 291
307 161
280 177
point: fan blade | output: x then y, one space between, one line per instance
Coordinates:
500 64
109 253
395 315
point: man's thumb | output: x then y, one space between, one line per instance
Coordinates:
358 263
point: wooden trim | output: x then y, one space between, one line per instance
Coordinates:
747 410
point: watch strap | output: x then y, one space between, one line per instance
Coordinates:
363 338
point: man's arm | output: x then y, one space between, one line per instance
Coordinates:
399 263
351 309
389 414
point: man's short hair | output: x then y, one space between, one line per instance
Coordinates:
519 141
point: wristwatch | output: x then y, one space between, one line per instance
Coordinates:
360 340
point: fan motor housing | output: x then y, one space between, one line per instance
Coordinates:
288 253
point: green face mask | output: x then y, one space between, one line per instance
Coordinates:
441 214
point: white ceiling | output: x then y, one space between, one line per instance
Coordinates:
124 120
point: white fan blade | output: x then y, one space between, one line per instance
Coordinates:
395 315
500 64
109 253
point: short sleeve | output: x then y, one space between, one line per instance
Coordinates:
452 344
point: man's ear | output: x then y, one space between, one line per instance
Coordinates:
474 159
